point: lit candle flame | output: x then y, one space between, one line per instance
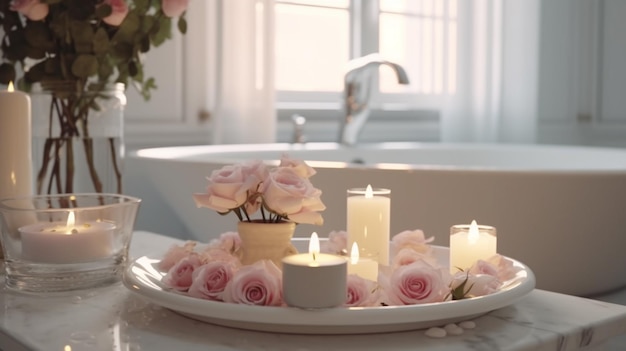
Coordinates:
314 245
71 221
10 88
354 253
369 193
473 234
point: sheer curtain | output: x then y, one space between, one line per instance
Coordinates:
245 111
495 99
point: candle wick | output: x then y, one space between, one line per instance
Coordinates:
314 256
74 231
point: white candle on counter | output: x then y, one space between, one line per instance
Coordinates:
69 242
15 144
368 219
313 279
364 267
469 244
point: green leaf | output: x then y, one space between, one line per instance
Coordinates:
36 34
144 45
182 25
164 31
142 5
129 27
81 10
36 53
36 73
105 70
122 52
101 42
85 66
103 11
133 70
7 73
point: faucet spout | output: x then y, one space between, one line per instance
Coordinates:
357 92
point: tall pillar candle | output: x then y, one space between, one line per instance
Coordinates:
368 219
470 243
15 145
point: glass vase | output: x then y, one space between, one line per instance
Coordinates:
77 131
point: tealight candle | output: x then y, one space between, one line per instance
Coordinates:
313 279
368 218
69 242
469 244
364 267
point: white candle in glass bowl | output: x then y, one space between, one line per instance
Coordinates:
368 220
313 279
69 242
469 244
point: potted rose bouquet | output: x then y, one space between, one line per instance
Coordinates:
280 196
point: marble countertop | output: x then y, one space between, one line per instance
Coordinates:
113 318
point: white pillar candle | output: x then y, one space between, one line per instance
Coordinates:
57 242
364 267
469 244
314 280
368 219
15 144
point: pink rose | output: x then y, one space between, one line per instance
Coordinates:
179 277
291 196
505 267
34 10
361 292
337 242
476 285
416 283
119 10
257 284
210 280
483 267
175 254
407 256
413 239
174 8
229 187
228 241
301 168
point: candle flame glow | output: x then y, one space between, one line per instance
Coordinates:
10 88
473 233
71 220
314 245
369 193
354 253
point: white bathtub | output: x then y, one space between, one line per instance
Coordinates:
560 210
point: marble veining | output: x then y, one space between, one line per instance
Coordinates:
113 318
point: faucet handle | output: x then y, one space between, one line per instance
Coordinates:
298 128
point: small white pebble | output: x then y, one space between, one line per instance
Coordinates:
467 325
436 332
453 329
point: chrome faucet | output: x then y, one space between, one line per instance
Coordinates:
357 81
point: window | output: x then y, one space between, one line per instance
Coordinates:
420 35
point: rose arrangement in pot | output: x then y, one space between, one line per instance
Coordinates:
78 57
279 196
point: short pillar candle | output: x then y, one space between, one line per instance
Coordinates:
368 219
470 243
314 280
67 242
